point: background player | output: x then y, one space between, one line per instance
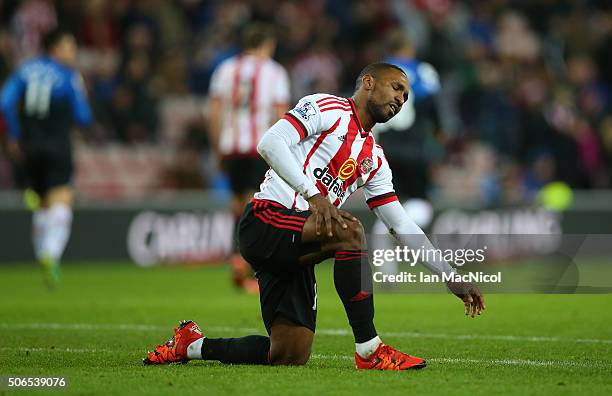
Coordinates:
40 103
248 91
410 138
319 153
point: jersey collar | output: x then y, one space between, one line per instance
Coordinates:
361 131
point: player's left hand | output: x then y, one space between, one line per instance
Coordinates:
325 212
472 298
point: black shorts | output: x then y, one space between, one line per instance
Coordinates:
46 169
245 173
270 239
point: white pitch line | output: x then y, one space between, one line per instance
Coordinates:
80 326
49 349
497 362
476 337
523 362
323 331
318 356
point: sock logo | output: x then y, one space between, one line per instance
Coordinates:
362 295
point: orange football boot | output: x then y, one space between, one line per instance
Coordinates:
175 349
387 358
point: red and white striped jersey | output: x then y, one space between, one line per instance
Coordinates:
248 87
334 152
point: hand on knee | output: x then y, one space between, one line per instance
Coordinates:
353 238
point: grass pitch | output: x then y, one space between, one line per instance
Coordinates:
98 326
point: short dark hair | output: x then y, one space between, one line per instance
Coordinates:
52 37
396 41
255 34
374 69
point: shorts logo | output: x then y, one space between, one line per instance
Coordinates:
305 110
347 169
366 165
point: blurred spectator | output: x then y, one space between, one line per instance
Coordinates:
98 27
540 172
190 168
318 70
410 137
487 111
31 20
515 41
134 106
520 78
102 86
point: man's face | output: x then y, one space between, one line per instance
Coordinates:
66 50
387 94
270 47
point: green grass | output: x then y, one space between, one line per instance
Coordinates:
88 331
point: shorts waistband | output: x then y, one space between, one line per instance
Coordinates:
267 203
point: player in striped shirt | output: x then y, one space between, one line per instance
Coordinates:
319 153
248 93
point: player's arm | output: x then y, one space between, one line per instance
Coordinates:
381 199
408 233
275 148
215 108
80 107
218 86
11 95
281 93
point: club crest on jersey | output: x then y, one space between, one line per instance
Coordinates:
305 110
333 184
366 165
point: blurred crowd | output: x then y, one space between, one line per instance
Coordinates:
525 96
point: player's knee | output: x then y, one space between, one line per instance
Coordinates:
294 355
352 238
289 359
